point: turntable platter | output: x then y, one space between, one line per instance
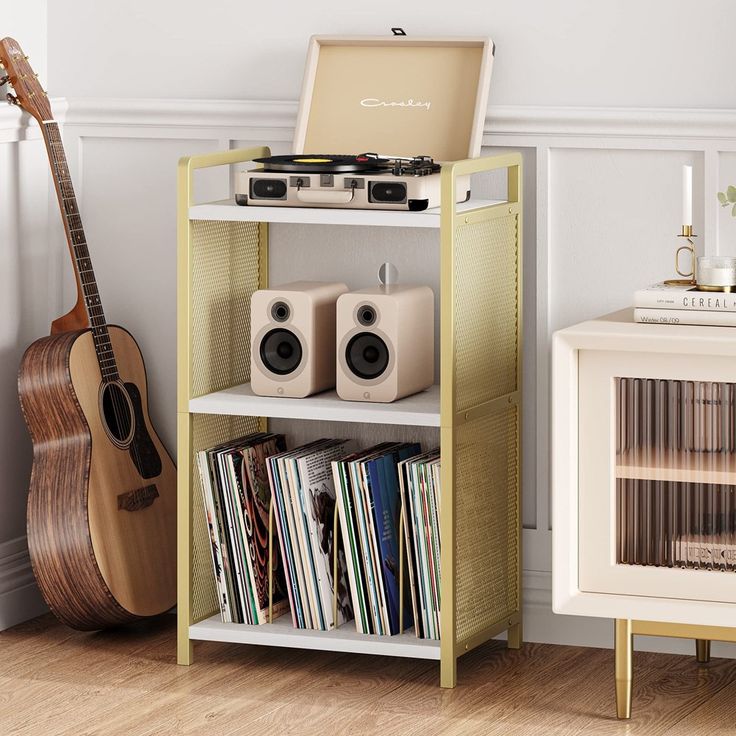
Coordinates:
322 163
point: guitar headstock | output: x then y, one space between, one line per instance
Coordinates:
16 71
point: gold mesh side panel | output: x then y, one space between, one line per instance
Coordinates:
487 521
486 310
225 273
208 430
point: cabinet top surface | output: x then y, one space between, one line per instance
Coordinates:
620 326
227 210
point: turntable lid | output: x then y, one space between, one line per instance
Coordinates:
397 96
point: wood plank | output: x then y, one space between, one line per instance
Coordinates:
117 683
714 716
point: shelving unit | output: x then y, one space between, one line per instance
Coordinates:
223 258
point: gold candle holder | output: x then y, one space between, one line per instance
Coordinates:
689 279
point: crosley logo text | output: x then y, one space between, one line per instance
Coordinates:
375 102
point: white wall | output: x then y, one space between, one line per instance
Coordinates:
601 185
24 280
658 53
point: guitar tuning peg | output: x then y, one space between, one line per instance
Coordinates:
26 57
12 99
4 80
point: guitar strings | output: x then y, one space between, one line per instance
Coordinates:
119 406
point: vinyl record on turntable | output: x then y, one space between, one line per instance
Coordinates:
322 163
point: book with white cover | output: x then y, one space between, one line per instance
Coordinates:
685 317
685 297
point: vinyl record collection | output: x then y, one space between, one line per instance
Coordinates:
237 498
335 524
420 491
304 507
369 510
675 424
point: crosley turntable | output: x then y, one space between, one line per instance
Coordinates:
414 95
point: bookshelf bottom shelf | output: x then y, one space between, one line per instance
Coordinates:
281 633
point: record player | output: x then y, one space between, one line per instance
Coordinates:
364 95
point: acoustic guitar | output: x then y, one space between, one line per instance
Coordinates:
102 501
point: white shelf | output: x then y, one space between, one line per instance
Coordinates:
281 633
419 410
684 467
227 210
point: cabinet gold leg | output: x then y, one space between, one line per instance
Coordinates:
702 650
624 654
515 637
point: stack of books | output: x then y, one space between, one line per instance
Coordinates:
420 492
676 304
237 499
369 508
304 507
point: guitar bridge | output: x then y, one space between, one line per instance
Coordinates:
138 499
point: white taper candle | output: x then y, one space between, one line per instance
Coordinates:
687 195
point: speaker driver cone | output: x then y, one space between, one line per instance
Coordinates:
281 351
367 355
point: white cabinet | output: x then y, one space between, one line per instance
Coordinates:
644 479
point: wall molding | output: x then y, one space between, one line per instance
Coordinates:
501 121
16 125
20 598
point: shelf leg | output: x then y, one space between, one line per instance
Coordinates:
448 672
624 653
702 650
515 636
184 649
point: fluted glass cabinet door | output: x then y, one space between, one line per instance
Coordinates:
657 449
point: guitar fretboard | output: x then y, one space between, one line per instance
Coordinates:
79 250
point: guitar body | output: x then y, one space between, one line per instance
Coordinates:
102 502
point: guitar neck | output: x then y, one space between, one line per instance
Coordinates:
81 261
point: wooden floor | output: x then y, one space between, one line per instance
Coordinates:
62 683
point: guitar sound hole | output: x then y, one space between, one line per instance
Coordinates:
116 411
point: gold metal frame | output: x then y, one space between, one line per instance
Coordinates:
185 245
455 412
480 411
624 631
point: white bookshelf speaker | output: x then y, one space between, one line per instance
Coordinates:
385 342
293 338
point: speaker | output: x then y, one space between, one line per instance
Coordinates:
293 338
385 342
268 189
387 191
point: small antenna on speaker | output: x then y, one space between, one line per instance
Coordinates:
388 274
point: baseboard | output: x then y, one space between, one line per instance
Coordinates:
542 625
20 598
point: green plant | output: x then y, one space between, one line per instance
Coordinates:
728 199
